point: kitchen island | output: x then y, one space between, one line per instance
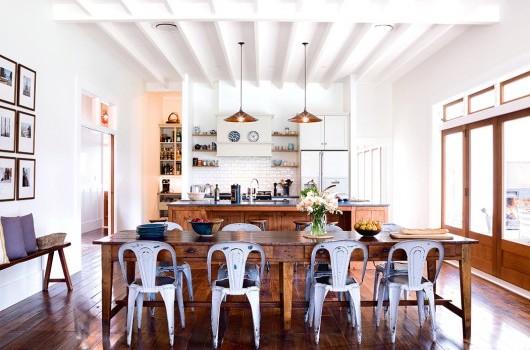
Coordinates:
280 214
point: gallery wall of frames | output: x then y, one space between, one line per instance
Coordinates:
18 85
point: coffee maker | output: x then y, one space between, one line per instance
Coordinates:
235 194
165 185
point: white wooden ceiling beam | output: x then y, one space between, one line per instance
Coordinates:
161 45
124 42
97 12
318 51
432 41
256 50
169 6
186 36
390 54
288 53
222 43
126 6
351 44
85 5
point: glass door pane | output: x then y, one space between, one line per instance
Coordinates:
453 179
481 179
516 168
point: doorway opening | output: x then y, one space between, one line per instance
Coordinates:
97 167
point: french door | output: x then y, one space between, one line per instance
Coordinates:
486 192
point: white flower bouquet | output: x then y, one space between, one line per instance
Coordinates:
317 204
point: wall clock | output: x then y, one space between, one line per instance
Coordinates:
233 136
253 136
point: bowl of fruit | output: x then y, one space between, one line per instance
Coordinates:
368 228
205 227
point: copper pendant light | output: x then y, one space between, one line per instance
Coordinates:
305 116
240 116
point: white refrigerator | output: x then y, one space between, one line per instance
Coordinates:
326 168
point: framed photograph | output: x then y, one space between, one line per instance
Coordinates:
7 179
26 178
25 133
8 80
27 85
7 129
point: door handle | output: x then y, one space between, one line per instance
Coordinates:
335 182
191 250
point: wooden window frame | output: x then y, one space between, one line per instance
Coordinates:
469 97
511 80
447 105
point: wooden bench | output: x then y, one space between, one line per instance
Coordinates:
50 251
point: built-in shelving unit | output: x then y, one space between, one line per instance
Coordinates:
287 147
163 200
170 149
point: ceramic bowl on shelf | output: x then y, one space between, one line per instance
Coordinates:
196 196
277 162
207 228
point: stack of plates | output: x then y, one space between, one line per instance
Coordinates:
151 231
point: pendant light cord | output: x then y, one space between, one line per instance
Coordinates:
305 75
241 76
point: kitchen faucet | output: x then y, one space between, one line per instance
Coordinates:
252 190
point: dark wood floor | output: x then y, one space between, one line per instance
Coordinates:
501 320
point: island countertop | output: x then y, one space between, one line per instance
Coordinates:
279 214
267 203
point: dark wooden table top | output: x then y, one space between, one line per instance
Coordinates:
267 238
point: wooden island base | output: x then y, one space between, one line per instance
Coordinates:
279 217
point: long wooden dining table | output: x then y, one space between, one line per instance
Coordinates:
284 248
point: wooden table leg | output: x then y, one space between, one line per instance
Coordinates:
286 278
106 283
465 290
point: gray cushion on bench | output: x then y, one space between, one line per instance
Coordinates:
28 232
13 236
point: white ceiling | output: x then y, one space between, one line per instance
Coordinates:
341 35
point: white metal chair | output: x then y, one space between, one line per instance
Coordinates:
183 267
396 268
146 253
241 226
416 251
323 269
236 254
252 270
339 281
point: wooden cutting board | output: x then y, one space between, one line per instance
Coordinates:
435 236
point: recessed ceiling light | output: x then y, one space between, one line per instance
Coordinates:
384 27
166 27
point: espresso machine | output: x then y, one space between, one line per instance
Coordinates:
165 185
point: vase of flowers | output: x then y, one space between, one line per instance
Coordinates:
318 204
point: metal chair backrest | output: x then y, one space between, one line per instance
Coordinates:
173 226
329 228
340 255
146 253
236 254
241 226
416 251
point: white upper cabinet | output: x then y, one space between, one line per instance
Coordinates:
330 134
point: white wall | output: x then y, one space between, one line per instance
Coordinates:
481 54
266 99
67 60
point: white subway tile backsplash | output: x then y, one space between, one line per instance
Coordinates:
242 170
